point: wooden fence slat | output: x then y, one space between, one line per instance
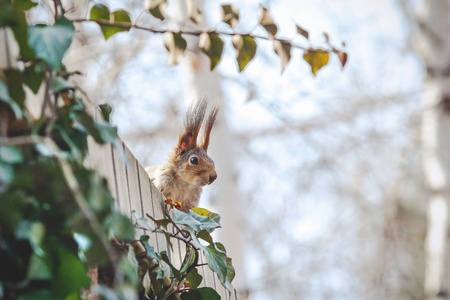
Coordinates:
146 203
134 189
121 183
157 202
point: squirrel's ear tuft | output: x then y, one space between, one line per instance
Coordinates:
192 124
209 125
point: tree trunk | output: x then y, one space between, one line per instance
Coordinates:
434 47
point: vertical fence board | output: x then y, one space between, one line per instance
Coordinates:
134 189
121 183
146 202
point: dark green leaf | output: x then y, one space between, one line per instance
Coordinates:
107 132
230 15
189 259
20 30
7 14
180 217
245 47
157 8
212 45
87 123
60 85
266 21
51 42
176 273
204 293
231 273
204 235
283 50
316 58
25 4
302 31
15 85
40 294
5 97
176 45
217 262
99 12
194 278
71 273
33 77
106 111
10 154
150 250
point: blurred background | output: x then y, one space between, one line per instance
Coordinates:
329 187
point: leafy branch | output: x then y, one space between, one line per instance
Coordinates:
210 41
193 229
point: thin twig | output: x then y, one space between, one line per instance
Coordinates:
189 32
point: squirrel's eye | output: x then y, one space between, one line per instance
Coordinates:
194 160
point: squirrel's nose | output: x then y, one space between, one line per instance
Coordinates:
212 177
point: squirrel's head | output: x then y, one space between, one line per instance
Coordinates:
193 163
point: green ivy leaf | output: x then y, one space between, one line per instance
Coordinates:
157 8
217 262
51 42
183 218
212 45
316 58
302 31
266 21
230 15
5 97
33 76
176 45
194 278
108 133
19 27
10 154
106 111
14 79
176 273
245 47
205 222
71 273
150 250
189 259
283 50
59 84
204 293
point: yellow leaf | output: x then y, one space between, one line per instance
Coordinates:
316 58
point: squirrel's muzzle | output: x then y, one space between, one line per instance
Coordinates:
212 177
